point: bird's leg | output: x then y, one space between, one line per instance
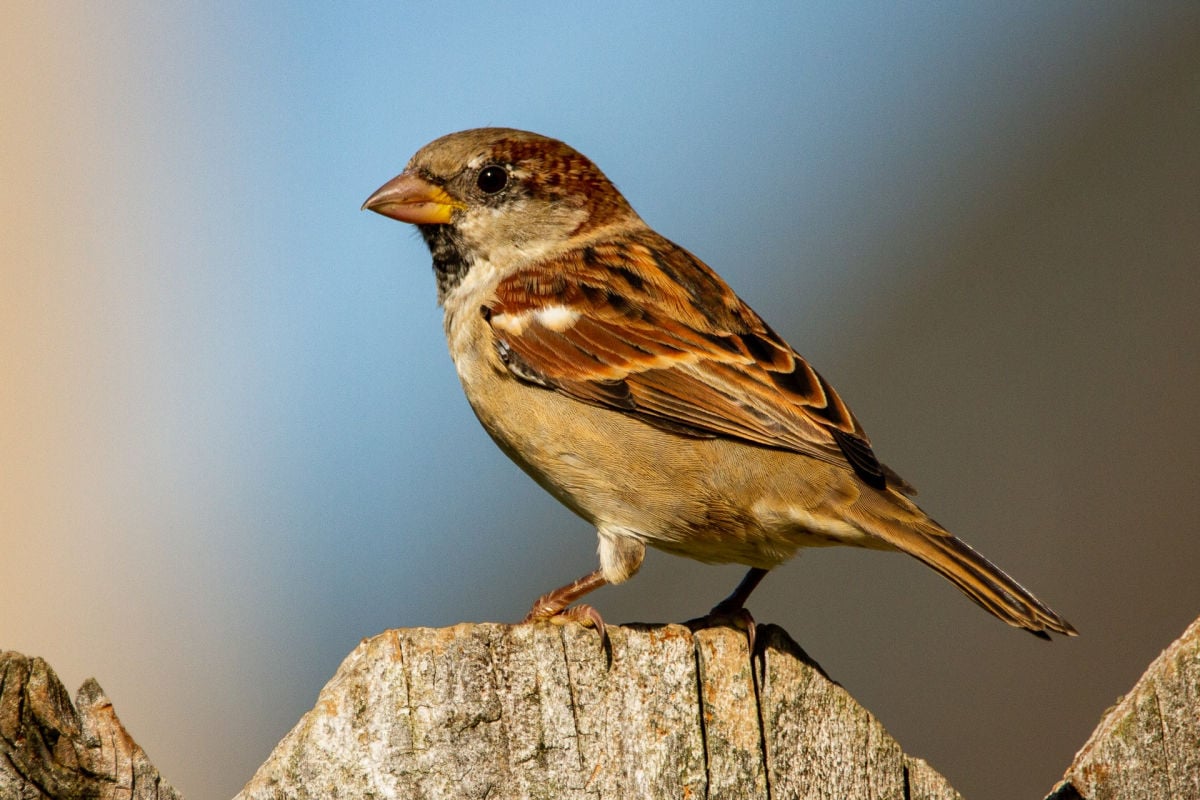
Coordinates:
552 606
737 598
732 610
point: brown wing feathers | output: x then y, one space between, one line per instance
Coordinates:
685 363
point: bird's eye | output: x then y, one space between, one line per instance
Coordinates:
492 179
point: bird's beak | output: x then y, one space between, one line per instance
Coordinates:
410 198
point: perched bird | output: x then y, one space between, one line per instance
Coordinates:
627 379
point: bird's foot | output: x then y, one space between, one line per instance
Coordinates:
725 615
731 612
556 606
583 614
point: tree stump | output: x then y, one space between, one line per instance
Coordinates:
541 711
1147 746
51 749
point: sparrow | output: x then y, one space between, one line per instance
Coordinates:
624 376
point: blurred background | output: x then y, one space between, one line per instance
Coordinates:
232 443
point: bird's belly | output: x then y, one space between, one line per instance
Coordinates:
713 500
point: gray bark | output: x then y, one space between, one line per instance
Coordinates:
540 711
1147 746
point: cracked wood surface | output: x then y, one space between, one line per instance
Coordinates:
51 749
1147 746
539 711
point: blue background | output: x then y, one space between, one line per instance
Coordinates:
232 443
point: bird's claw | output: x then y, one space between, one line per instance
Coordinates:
583 614
732 617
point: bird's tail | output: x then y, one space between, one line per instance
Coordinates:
975 576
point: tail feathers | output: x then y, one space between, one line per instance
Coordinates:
981 580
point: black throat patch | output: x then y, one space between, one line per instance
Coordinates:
449 264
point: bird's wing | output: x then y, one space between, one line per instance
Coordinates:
641 326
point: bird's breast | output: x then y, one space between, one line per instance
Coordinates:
716 500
